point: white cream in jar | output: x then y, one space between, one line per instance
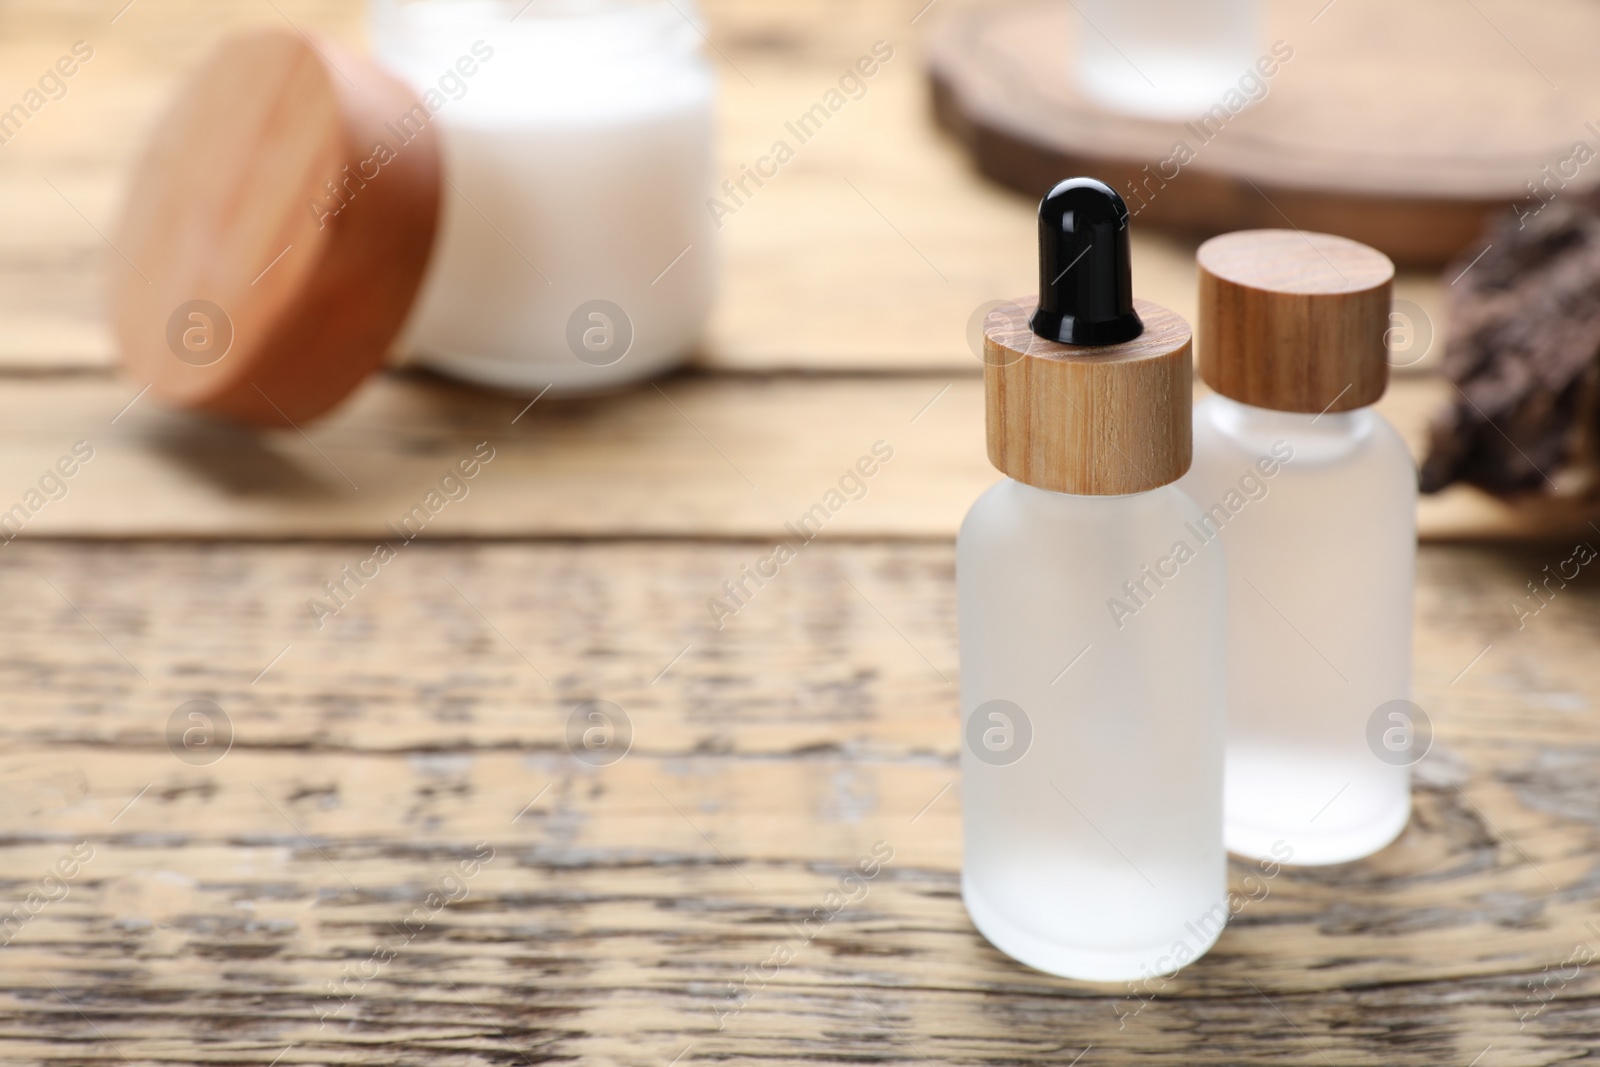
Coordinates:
575 249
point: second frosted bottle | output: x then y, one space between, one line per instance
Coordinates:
1312 496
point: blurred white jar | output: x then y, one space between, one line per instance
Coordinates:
1168 59
575 249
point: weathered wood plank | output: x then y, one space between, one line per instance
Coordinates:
692 457
688 458
373 752
622 899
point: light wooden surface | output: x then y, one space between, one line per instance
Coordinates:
716 455
383 744
376 753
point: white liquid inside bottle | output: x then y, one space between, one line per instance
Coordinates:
1093 817
1321 558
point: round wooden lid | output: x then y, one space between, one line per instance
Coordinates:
276 230
1294 321
1091 420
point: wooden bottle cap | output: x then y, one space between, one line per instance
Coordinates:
276 230
1294 321
1094 421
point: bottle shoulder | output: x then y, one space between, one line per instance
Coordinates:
1327 488
1013 510
1229 434
1031 554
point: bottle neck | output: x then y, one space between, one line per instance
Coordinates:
1029 489
1316 438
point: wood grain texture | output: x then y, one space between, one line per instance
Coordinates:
1407 139
1101 421
1294 321
766 759
689 457
682 458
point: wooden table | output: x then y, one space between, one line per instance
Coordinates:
389 852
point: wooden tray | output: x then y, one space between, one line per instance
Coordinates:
1398 125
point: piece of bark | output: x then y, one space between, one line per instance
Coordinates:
1524 354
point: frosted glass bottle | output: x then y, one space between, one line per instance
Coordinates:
1093 844
1321 559
1312 496
1092 669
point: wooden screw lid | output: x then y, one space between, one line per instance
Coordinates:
1095 421
276 231
1294 321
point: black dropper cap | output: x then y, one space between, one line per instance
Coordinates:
1085 283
